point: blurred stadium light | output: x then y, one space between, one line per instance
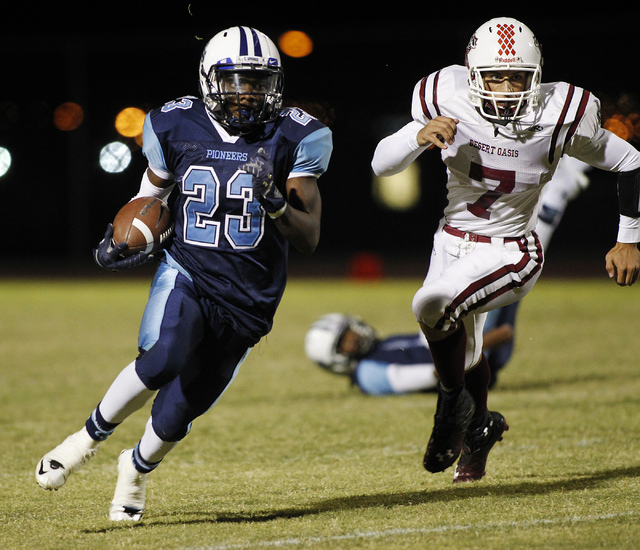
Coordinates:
625 127
115 157
68 116
5 161
129 123
295 44
400 191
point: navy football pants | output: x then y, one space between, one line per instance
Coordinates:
188 353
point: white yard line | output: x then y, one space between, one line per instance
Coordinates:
302 541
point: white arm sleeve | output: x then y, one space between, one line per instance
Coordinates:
148 189
412 378
628 230
397 151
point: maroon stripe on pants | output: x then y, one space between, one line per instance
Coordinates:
490 279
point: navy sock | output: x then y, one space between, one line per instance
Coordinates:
98 428
141 464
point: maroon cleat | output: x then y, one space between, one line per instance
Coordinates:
476 447
450 423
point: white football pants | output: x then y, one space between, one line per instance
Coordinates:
468 277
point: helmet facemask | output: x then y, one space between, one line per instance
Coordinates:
504 105
504 44
243 97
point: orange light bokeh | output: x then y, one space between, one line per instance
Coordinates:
621 126
295 44
129 122
68 116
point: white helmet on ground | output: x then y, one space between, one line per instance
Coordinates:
323 339
504 44
231 57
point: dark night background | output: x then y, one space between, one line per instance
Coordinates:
56 201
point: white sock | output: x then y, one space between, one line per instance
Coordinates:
126 395
151 448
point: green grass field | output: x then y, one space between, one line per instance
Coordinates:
292 457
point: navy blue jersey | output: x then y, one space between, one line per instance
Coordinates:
223 239
397 364
410 349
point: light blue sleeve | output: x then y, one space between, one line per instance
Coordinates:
151 148
313 154
372 379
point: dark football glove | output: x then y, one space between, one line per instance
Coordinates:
264 188
108 256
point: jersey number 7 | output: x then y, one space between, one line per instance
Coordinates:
506 182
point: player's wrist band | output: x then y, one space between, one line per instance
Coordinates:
275 215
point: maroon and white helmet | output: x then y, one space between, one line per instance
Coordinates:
504 44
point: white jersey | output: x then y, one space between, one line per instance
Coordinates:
496 172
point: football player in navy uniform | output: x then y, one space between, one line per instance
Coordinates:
397 364
243 171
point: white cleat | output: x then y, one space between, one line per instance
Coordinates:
128 500
57 465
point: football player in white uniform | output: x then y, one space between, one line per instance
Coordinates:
501 134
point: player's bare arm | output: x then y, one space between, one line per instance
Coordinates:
300 222
623 263
497 336
439 131
157 180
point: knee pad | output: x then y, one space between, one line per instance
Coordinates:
430 302
161 364
171 430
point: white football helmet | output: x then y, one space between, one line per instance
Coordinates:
237 62
323 339
504 44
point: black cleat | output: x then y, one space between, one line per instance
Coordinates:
476 447
450 423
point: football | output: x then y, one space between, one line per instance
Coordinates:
145 224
